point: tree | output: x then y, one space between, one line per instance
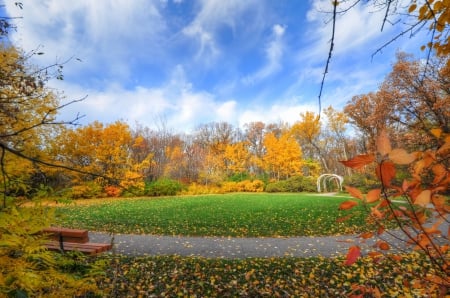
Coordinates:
27 121
337 143
417 204
307 132
411 101
237 157
283 156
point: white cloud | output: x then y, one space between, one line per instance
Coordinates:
274 53
98 32
214 14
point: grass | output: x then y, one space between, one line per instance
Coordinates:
242 215
238 215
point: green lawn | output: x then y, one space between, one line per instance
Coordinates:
239 215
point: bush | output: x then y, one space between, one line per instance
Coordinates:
163 187
200 189
86 190
113 191
293 184
363 182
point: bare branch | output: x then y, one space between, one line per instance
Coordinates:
330 53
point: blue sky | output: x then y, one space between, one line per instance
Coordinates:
190 62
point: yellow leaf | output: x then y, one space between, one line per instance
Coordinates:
412 7
383 143
423 198
401 157
436 132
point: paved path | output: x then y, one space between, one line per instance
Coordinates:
222 247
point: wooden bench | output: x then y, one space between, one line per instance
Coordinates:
64 239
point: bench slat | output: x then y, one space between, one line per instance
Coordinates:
73 239
65 232
82 247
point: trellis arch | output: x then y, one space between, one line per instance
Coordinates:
324 178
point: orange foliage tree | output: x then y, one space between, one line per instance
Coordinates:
418 205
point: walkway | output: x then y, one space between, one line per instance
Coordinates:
222 247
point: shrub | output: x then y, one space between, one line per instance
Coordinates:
113 191
163 187
362 181
293 184
28 269
238 177
200 189
86 190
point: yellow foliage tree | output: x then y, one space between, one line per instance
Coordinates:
283 156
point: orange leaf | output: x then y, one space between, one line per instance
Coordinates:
401 157
439 172
354 192
383 245
436 132
358 161
383 143
423 198
376 213
397 258
344 218
347 205
380 230
386 172
373 195
354 252
366 235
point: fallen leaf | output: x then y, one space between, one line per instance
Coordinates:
354 252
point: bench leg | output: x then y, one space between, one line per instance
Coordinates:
61 242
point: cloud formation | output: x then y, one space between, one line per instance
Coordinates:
200 61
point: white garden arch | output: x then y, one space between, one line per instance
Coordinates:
325 178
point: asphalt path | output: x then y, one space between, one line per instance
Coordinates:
231 248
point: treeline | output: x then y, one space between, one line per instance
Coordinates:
116 159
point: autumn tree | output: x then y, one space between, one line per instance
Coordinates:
307 132
337 144
410 102
254 135
283 156
28 121
238 157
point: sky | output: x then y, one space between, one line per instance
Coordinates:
184 63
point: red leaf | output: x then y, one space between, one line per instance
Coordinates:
358 161
386 172
354 192
347 205
354 252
